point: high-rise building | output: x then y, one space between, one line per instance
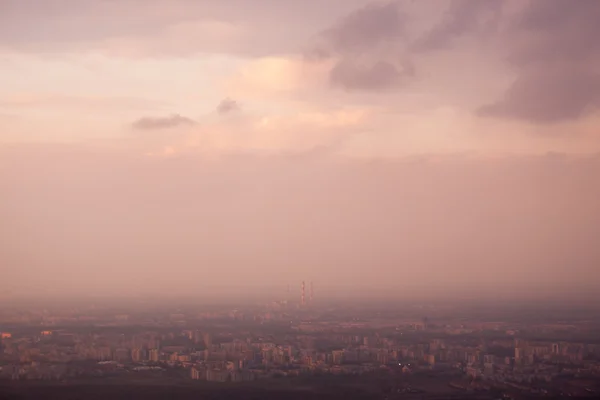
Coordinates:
489 359
137 355
121 354
153 355
207 340
198 373
519 354
338 356
217 375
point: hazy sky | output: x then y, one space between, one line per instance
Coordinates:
154 145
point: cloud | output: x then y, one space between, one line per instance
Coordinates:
549 46
461 17
552 45
381 75
366 46
279 77
368 26
556 31
154 123
548 96
227 106
523 61
155 28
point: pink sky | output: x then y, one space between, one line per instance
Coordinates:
445 144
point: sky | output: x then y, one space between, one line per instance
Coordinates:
401 146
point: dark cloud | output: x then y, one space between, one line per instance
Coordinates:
553 47
461 17
172 121
378 76
366 44
548 96
556 31
365 27
227 106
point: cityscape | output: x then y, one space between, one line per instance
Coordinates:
387 351
299 199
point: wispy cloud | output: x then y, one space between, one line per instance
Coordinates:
154 123
227 106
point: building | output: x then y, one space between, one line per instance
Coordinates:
488 369
153 355
217 375
489 359
198 373
137 355
121 355
519 354
207 340
338 357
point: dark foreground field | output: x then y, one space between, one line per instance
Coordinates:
151 391
131 392
325 387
